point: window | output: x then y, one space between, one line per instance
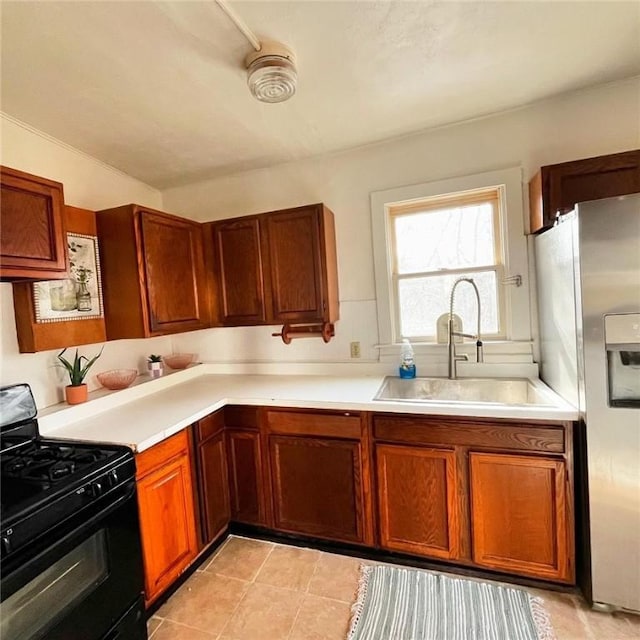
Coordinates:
435 241
425 236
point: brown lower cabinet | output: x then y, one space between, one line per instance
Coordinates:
519 514
245 477
212 477
317 487
483 493
418 500
167 523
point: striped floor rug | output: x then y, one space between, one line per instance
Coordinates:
406 604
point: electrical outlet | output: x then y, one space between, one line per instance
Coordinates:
355 349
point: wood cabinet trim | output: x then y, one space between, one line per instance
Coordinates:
161 453
345 424
489 434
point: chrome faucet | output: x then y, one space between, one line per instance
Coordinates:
453 357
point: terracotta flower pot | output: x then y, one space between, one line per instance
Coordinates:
76 395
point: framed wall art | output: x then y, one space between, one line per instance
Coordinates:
79 297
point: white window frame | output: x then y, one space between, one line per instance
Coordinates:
493 195
515 300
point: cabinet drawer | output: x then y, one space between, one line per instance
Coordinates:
209 426
434 431
338 425
156 456
240 417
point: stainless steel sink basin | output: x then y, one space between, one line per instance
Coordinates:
515 391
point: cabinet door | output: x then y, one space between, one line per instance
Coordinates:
295 264
239 272
174 273
519 515
167 524
317 487
558 188
245 477
214 486
418 501
33 241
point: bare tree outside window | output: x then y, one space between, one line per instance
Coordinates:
434 242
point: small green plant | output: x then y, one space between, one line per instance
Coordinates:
76 371
153 358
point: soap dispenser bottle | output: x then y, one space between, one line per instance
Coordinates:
407 364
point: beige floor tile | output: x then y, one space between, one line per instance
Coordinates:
566 620
152 625
321 619
265 613
336 577
240 558
173 631
205 601
613 626
289 568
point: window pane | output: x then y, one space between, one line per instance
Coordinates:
423 300
451 238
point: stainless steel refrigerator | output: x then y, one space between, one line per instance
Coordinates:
588 278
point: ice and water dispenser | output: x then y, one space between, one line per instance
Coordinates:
622 342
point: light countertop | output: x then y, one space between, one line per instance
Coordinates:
148 413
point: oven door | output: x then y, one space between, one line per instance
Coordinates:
80 584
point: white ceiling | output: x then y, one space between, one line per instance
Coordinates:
158 89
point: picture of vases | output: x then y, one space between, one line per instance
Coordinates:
80 296
62 296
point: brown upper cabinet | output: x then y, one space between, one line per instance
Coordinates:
33 243
241 297
557 188
153 273
277 267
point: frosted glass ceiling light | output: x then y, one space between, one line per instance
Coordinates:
271 73
271 68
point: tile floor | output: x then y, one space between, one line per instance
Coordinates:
256 590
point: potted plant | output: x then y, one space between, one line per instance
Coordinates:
154 364
76 392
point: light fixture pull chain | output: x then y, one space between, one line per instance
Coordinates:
240 23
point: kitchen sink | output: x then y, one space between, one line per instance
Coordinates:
513 391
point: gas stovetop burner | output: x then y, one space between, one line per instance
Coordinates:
43 464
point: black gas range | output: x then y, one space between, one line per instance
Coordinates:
71 557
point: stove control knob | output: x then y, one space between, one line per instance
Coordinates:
112 478
95 489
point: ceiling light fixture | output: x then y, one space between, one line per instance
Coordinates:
271 68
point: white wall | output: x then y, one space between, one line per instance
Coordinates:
89 184
588 123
